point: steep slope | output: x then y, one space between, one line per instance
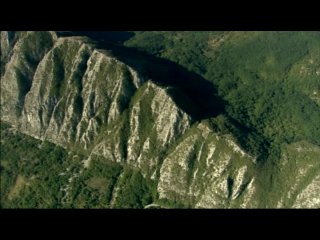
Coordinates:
209 170
135 130
67 98
150 125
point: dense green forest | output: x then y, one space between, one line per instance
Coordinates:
22 157
34 174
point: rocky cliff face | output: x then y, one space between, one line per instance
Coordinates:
68 91
208 169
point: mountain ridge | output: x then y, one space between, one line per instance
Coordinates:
69 91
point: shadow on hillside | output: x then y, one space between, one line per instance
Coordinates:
202 100
201 92
116 37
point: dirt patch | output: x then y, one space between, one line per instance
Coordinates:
17 187
100 184
4 164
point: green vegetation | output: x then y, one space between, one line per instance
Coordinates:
95 186
34 179
184 48
133 190
30 171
